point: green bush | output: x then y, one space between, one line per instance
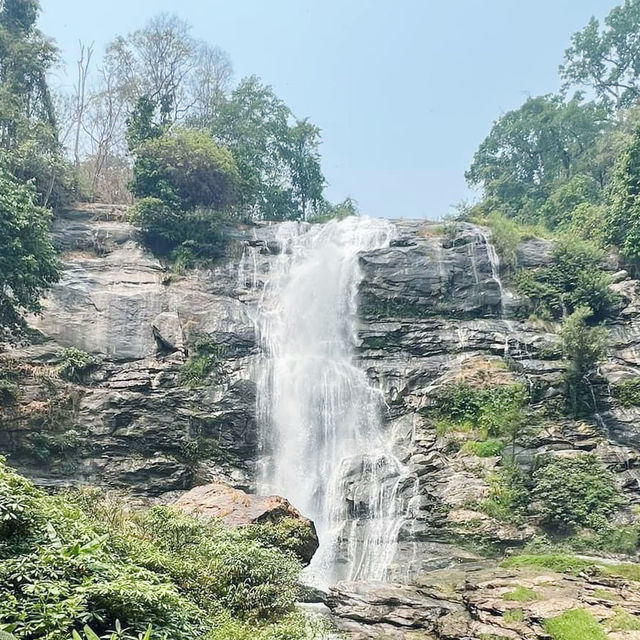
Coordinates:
627 392
508 495
203 360
8 392
495 411
575 492
574 278
184 235
75 364
506 235
484 448
575 624
185 169
583 347
74 560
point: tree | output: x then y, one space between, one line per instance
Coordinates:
280 175
622 222
303 159
185 169
209 84
531 149
28 130
28 264
583 347
156 61
608 59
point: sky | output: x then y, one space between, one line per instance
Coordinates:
404 91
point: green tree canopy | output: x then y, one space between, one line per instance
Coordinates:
29 145
278 161
622 224
607 59
530 149
27 259
186 169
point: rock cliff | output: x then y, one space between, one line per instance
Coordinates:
433 309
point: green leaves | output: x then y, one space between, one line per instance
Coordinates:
28 264
575 492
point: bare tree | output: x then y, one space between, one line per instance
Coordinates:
209 83
156 61
84 61
104 127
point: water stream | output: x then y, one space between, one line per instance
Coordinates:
322 437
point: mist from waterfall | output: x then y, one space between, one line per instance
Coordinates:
322 439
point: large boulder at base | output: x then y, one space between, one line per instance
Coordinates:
236 508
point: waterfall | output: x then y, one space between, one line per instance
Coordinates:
321 431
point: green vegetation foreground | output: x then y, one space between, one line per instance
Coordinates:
76 560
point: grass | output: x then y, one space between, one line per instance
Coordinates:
603 594
514 615
521 594
575 624
484 449
561 563
623 621
564 563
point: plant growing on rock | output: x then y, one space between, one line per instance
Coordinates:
75 364
583 347
204 358
575 492
574 278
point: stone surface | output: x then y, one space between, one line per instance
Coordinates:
236 508
434 308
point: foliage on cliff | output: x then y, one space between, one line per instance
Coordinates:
569 164
73 560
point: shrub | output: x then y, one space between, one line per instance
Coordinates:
75 364
495 411
185 169
508 495
204 358
583 346
506 235
68 562
574 278
8 392
575 492
627 392
183 234
484 448
575 624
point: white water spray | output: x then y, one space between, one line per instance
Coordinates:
323 443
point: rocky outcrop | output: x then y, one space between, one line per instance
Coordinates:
435 307
482 600
236 508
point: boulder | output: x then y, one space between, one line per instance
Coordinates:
236 508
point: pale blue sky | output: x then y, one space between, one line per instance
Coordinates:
403 90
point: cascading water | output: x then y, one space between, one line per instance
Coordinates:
321 421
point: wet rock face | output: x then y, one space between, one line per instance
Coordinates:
433 310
